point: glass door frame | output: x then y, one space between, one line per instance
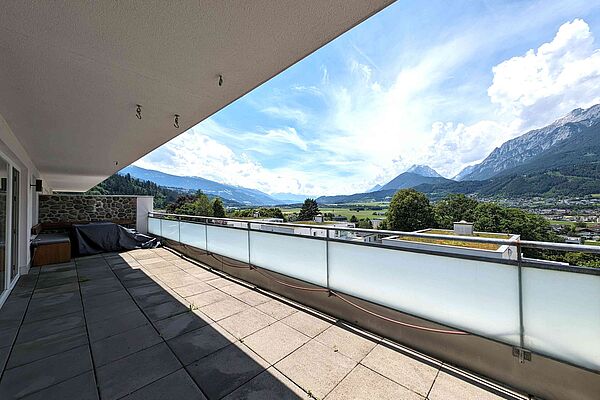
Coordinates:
8 282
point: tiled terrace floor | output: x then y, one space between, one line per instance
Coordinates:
147 324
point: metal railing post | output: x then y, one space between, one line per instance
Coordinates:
327 257
206 234
179 229
249 260
521 324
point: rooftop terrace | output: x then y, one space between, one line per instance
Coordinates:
149 324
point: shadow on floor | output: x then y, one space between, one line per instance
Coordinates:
101 327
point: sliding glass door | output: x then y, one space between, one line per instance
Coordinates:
4 172
14 230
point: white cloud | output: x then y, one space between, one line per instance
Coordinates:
371 127
285 135
196 153
552 80
286 113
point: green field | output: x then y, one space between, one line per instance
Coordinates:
346 212
553 222
592 243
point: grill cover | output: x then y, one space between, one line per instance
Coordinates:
100 237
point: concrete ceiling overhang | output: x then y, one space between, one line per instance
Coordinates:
71 73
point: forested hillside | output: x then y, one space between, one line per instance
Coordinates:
128 185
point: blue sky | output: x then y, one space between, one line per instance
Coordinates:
438 83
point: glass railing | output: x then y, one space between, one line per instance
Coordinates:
547 308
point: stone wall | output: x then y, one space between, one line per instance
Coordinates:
78 208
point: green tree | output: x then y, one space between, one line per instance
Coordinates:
217 208
454 208
192 205
410 210
365 224
309 210
491 217
353 219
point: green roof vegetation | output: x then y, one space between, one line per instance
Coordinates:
458 243
449 242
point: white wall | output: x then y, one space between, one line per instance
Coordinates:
145 204
11 148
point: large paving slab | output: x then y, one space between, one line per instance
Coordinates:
147 324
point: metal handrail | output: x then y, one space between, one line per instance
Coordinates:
474 239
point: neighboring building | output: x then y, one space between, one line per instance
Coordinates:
573 240
453 246
376 222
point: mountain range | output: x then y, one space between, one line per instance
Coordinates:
561 159
525 148
237 194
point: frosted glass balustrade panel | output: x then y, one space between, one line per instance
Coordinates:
294 256
229 242
154 226
561 315
193 234
170 229
479 297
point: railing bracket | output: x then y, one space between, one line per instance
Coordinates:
522 354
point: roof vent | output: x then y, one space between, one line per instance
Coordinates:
463 228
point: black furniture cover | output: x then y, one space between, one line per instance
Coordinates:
99 237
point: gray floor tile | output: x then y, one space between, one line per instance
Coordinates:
224 371
8 333
69 287
49 282
106 298
194 345
32 377
142 281
110 310
141 291
45 346
154 299
54 300
39 313
407 371
133 372
38 329
81 387
178 385
270 384
364 384
124 344
179 324
4 352
100 287
12 312
165 310
120 323
449 387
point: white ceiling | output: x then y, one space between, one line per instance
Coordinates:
72 72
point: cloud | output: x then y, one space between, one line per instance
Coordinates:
557 77
287 113
351 123
195 153
285 135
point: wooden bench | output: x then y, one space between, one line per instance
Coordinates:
51 248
